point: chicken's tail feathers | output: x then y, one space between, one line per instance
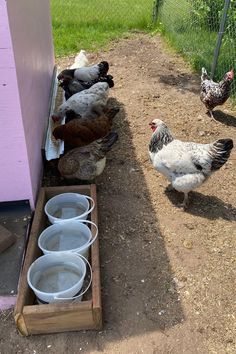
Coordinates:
108 79
111 112
204 75
70 115
97 109
108 141
220 153
103 68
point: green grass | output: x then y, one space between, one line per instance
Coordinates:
92 24
195 43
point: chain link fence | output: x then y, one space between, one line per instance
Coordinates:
196 28
204 31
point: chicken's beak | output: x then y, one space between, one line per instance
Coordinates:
152 126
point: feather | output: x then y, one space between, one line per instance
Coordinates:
89 161
82 102
185 164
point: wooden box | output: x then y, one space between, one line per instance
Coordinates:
32 318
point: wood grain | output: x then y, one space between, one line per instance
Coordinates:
31 318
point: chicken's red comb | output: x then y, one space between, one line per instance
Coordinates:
230 74
55 118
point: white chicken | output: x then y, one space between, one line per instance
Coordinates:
185 164
82 102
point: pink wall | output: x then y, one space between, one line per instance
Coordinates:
14 171
30 41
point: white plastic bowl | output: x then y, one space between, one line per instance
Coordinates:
68 206
57 277
72 236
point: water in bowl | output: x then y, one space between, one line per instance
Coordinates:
65 241
58 278
67 210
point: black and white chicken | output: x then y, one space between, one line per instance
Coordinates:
72 86
185 164
82 102
86 73
215 93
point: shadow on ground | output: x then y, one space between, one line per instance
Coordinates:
206 206
138 291
225 118
185 82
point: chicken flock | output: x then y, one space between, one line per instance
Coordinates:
88 135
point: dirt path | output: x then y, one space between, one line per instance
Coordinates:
168 276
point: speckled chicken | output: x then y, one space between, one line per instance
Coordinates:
83 131
82 102
87 162
86 73
213 93
72 86
185 164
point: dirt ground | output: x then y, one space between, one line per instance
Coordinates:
168 276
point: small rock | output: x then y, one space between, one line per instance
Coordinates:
201 133
161 312
188 244
178 283
190 226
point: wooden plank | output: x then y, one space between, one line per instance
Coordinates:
95 263
51 191
52 318
25 295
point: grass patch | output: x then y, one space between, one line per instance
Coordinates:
92 24
194 42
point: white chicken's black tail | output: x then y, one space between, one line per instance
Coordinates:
108 141
220 153
204 75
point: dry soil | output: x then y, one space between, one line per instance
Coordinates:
168 276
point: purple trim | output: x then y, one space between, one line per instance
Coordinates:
7 302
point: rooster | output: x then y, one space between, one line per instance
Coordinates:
72 86
87 162
185 164
86 73
214 94
82 102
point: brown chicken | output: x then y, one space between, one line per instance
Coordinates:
83 131
87 162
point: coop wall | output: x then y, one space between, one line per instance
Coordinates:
32 60
14 176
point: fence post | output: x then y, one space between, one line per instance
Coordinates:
155 11
220 36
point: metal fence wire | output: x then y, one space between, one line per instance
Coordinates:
88 23
204 31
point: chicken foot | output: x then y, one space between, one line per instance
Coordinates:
210 113
185 203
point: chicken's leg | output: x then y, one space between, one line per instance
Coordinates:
185 203
211 115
